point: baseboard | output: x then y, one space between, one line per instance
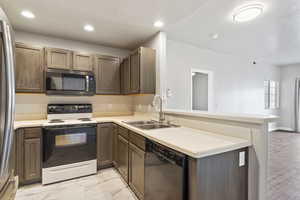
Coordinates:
282 129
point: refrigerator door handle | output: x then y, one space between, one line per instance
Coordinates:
9 61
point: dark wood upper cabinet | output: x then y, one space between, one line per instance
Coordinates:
58 58
105 137
107 74
29 68
135 72
82 62
125 76
142 71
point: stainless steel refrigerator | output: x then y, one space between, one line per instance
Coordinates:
7 104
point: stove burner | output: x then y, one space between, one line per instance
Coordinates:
56 121
85 119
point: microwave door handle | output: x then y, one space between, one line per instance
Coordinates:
10 96
87 83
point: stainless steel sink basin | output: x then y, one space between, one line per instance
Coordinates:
133 123
149 125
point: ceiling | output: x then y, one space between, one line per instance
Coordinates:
273 37
118 23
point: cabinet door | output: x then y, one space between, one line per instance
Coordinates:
107 72
147 70
125 77
122 159
29 68
137 170
135 72
82 62
32 159
58 58
104 145
115 145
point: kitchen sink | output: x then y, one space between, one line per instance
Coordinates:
149 125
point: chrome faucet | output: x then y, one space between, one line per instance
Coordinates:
161 113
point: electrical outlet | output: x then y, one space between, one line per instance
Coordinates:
242 158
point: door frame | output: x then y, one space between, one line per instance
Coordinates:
210 75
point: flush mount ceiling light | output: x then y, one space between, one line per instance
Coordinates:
214 36
88 28
158 24
27 14
248 12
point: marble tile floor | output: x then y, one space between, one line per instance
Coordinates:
284 166
106 185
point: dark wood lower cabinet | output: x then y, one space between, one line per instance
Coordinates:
137 170
122 157
210 178
105 138
218 177
115 145
28 163
32 159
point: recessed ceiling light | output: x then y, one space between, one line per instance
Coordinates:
27 14
248 12
214 36
88 28
158 24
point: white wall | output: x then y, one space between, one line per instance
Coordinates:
33 106
238 84
288 76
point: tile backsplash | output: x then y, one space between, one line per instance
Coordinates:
34 106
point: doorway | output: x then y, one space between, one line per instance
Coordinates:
201 90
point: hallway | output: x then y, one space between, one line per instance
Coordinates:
284 166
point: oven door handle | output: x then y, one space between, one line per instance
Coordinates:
67 128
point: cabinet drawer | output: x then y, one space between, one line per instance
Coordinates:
32 133
137 140
123 132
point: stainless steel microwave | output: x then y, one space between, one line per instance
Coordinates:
63 82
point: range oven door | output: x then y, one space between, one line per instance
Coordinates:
62 82
64 145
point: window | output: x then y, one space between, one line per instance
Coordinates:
271 94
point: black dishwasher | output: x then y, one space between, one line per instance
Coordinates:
165 173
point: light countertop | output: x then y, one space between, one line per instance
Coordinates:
247 118
192 142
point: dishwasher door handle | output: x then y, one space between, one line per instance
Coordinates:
164 158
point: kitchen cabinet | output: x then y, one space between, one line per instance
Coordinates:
135 72
107 75
136 180
29 68
115 145
142 71
105 136
58 58
125 76
137 170
29 155
122 157
218 177
82 61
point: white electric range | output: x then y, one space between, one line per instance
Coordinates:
69 143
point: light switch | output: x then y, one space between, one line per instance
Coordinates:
242 159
